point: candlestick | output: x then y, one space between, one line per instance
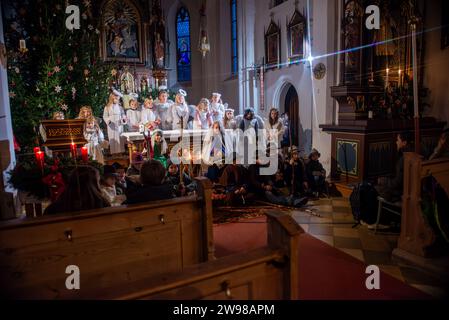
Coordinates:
415 86
84 154
415 71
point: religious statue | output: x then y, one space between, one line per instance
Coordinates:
159 51
127 82
352 33
385 46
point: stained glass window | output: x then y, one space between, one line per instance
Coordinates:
234 47
184 65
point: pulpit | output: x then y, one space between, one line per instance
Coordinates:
377 94
59 135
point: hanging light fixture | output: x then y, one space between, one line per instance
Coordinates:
204 45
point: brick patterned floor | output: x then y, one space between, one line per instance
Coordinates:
331 221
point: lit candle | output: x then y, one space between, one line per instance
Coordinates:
400 78
40 159
36 150
73 150
387 79
22 44
84 154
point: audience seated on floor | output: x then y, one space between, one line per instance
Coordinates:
154 185
295 174
316 175
82 193
270 188
234 183
184 187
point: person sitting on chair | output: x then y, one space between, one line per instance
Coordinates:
391 189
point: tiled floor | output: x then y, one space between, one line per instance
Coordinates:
331 221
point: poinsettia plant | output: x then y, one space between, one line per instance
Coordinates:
45 181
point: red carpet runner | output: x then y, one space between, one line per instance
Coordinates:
325 273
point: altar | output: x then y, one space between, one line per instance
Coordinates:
192 139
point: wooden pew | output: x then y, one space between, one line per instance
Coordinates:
110 245
269 273
416 236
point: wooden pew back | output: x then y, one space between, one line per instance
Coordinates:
269 273
108 246
417 237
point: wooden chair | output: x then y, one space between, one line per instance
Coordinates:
384 205
417 237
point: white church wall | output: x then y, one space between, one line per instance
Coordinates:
6 132
316 105
324 41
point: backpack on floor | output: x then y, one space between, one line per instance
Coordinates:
363 200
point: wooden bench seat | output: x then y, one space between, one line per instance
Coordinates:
110 245
417 237
269 273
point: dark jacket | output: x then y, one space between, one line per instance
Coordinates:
256 180
299 174
151 193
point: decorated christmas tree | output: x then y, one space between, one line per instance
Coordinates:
51 68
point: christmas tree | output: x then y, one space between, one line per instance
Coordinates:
51 68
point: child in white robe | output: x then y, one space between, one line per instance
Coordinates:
217 108
95 139
134 116
163 107
149 117
203 119
115 119
180 111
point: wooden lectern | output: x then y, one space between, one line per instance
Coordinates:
58 135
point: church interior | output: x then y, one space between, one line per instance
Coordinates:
224 149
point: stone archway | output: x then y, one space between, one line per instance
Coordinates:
289 103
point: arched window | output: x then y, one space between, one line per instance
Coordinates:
184 62
234 46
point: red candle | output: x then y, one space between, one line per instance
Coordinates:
40 157
73 150
36 150
84 154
